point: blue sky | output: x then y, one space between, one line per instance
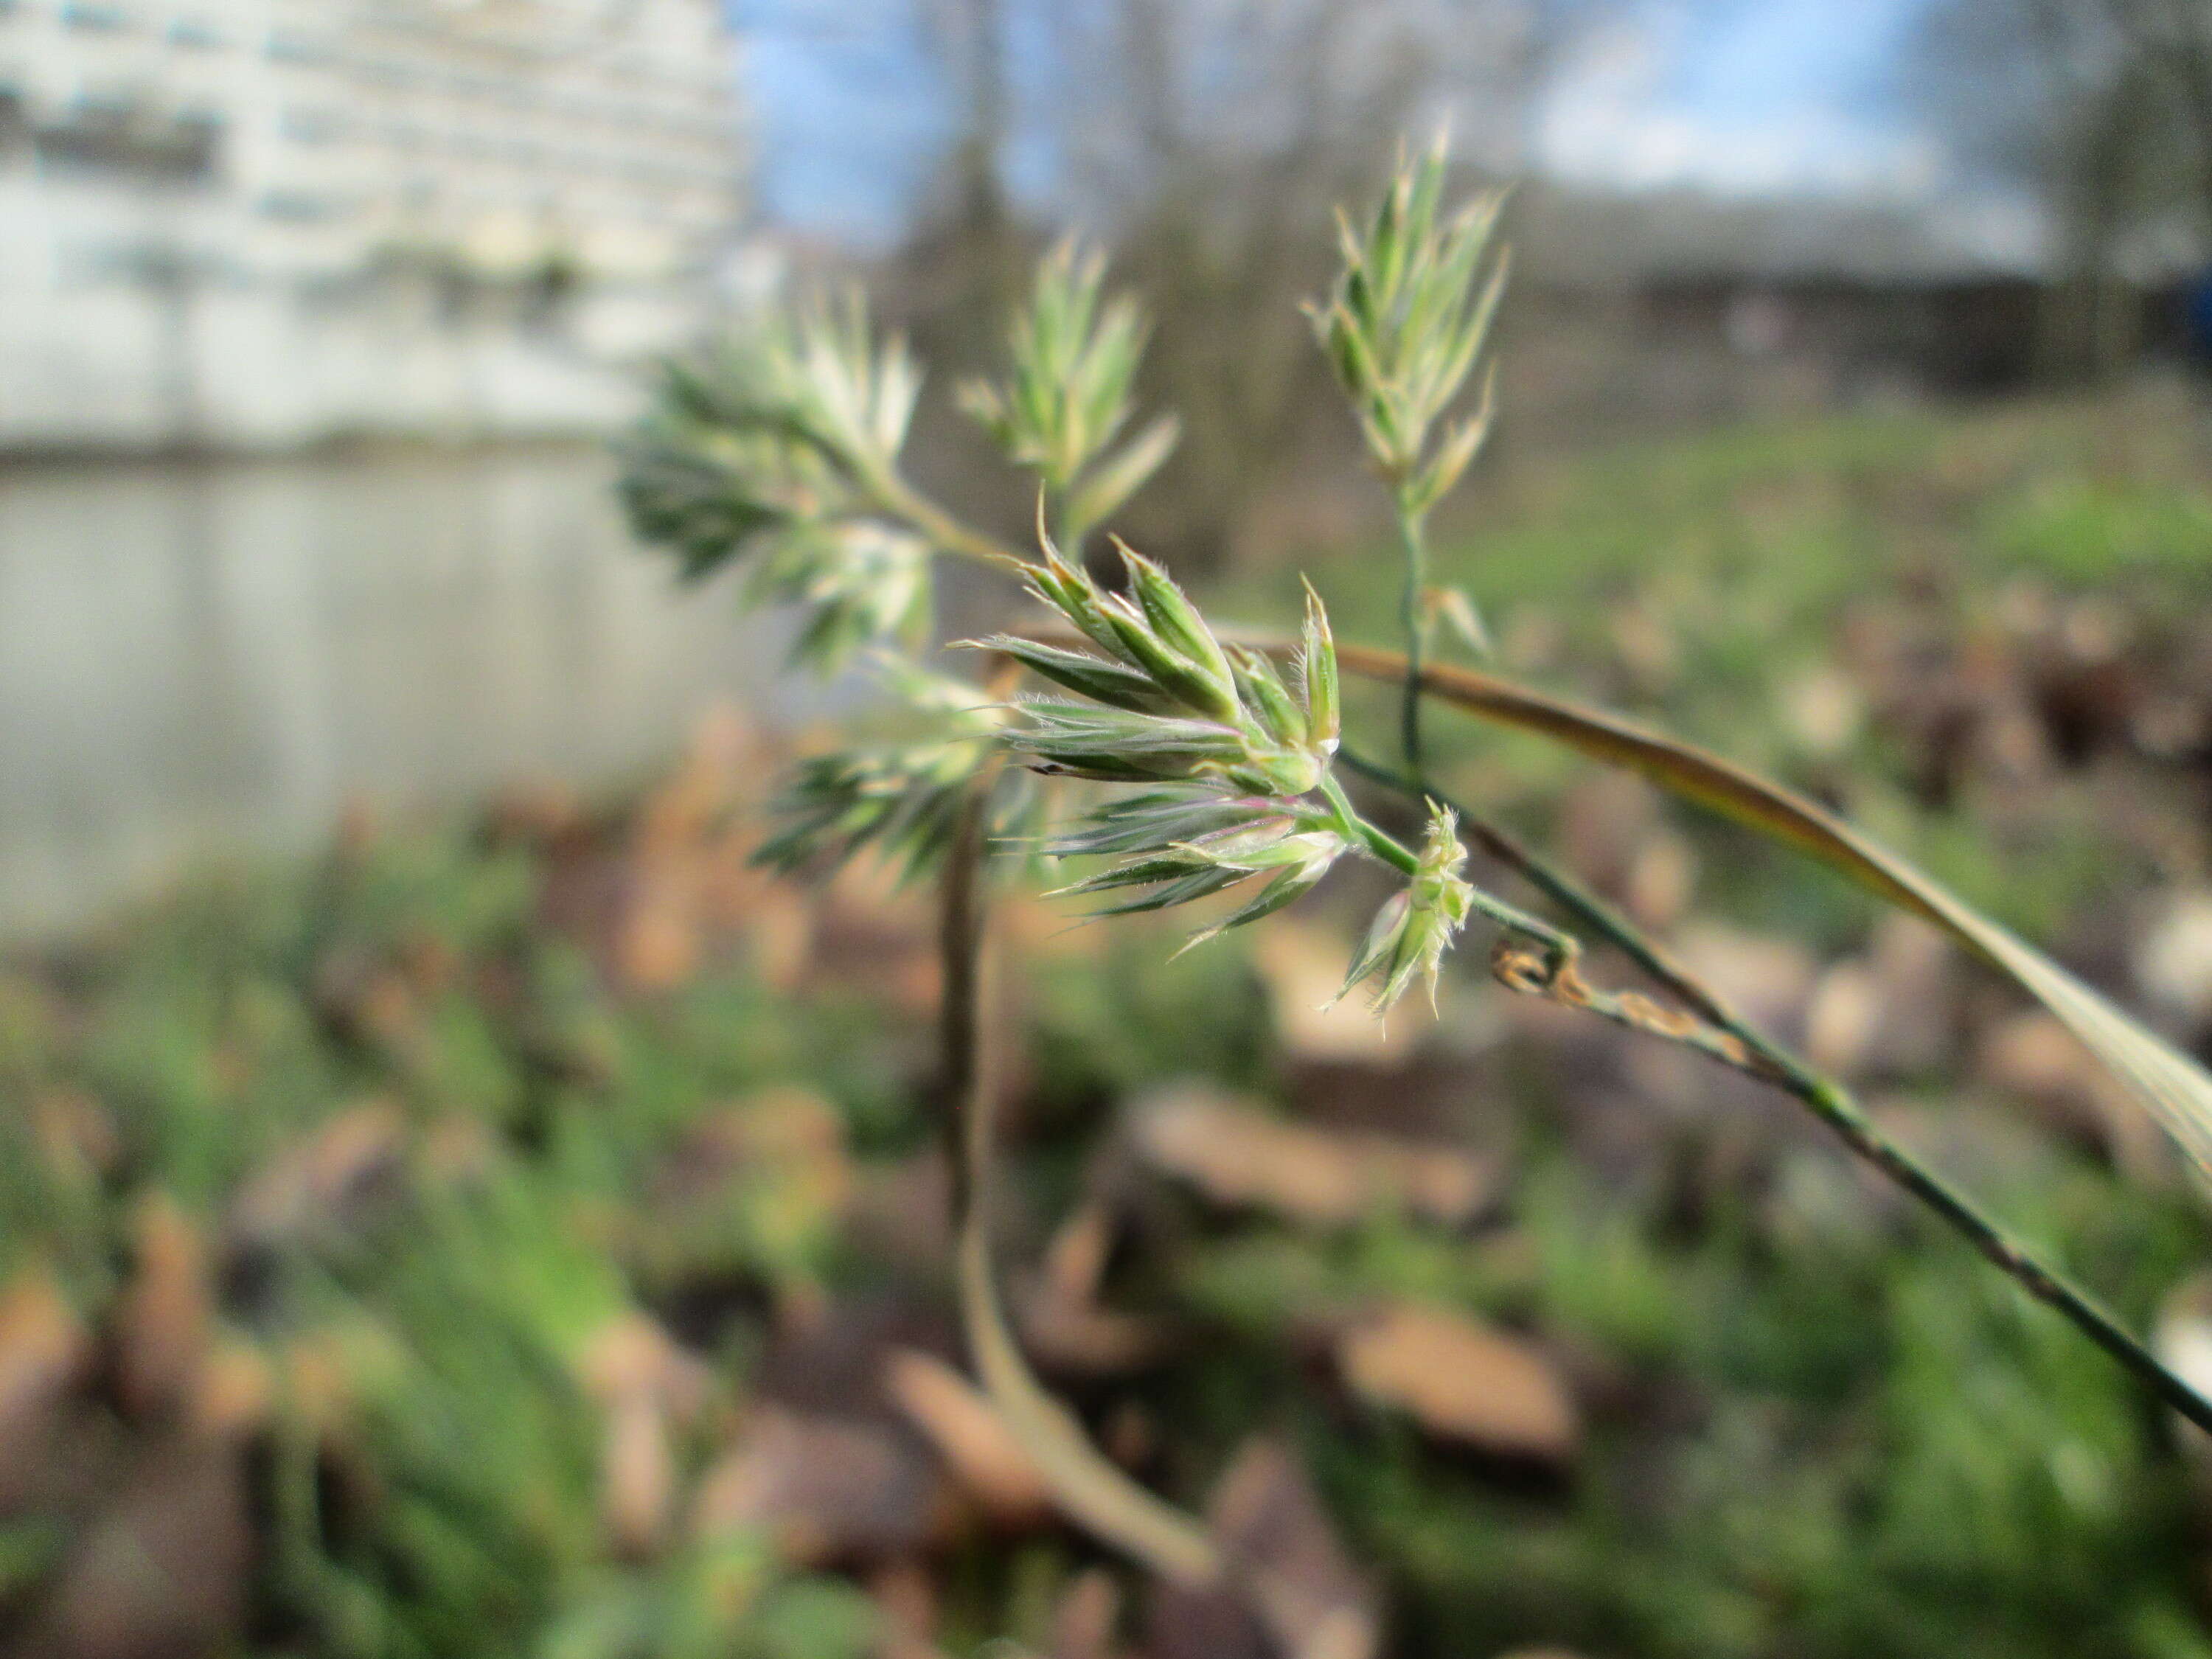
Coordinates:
847 111
1749 96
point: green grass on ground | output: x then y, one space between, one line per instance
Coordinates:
398 1254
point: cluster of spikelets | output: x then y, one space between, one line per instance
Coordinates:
1233 761
783 445
900 801
1066 397
784 448
1406 325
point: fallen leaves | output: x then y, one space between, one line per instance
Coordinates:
2031 1057
1063 1324
647 1387
165 1324
689 867
1241 1156
156 1557
1289 1590
1768 980
1084 1620
164 1569
953 1415
1462 1381
870 1448
2173 960
1302 966
1280 1542
1889 1012
44 1349
326 1185
827 1490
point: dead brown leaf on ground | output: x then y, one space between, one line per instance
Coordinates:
829 1491
956 1418
905 1594
327 1184
2032 1057
1768 980
162 1571
46 1349
1244 1157
1291 1591
166 1319
76 1134
875 938
646 1386
1063 1325
1083 1620
1301 963
1461 1381
902 1211
1282 1543
1890 1012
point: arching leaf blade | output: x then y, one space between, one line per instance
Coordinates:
2173 1088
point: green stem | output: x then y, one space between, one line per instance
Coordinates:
1559 948
1830 1102
1090 1490
1592 912
1348 822
1413 542
902 500
1834 1107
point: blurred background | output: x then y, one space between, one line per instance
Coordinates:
450 1203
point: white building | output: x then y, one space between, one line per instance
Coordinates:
259 222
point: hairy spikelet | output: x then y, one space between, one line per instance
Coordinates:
778 448
1067 396
1406 322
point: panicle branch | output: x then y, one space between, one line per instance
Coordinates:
1406 322
1068 394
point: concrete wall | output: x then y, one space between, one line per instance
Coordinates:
125 365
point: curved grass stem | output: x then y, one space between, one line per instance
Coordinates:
1763 1058
1092 1491
1828 1099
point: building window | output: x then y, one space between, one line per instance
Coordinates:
296 207
286 46
311 126
115 136
76 15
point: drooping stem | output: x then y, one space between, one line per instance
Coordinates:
1834 1106
1828 1100
1824 1096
